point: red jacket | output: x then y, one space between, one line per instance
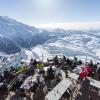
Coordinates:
89 69
82 74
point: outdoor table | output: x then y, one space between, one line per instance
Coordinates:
73 76
58 90
95 83
29 82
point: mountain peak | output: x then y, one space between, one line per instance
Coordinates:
7 19
4 17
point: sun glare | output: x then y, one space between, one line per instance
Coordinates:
45 3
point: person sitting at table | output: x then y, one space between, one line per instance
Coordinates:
85 88
91 63
4 88
34 87
19 81
50 73
75 60
80 62
24 68
56 62
34 63
39 95
64 58
99 77
50 76
45 89
82 75
40 65
22 93
89 70
69 62
98 68
40 81
42 71
6 74
63 61
12 69
58 73
1 78
31 63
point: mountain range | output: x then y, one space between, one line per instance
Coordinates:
15 36
26 42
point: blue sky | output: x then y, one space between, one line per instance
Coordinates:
50 12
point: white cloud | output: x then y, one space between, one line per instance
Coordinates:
73 25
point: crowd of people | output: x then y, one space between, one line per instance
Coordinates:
46 79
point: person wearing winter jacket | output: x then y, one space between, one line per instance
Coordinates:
50 73
40 65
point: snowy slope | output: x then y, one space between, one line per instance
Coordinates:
24 42
20 35
72 43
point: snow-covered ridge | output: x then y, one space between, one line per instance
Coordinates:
19 35
31 42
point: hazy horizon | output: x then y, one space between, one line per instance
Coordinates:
67 14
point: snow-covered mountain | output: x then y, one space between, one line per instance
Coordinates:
29 42
7 46
70 43
75 43
19 35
